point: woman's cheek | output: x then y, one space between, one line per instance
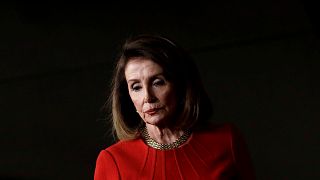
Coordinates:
138 104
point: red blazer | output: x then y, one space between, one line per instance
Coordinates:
216 154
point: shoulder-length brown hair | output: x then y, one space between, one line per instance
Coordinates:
194 106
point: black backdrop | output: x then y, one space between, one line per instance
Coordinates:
259 62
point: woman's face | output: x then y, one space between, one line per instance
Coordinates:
151 93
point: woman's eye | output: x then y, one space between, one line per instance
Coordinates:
136 88
158 82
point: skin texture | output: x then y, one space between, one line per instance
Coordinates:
154 98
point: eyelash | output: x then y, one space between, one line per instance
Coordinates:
158 82
135 88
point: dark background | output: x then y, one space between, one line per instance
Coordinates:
259 61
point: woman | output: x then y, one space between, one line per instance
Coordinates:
160 114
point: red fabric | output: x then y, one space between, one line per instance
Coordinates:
216 154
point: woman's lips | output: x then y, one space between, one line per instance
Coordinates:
152 111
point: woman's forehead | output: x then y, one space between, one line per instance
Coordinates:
142 67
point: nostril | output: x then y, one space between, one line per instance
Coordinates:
149 99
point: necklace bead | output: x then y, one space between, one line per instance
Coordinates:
152 143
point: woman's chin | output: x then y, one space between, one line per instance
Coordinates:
156 121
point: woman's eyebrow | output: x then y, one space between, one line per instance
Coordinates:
133 80
151 77
158 74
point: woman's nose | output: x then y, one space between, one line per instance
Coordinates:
149 96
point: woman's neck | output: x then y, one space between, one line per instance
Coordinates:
163 135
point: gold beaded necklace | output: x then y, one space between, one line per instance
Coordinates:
152 143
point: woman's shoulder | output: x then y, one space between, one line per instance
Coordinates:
222 137
124 153
217 135
220 129
117 156
125 146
